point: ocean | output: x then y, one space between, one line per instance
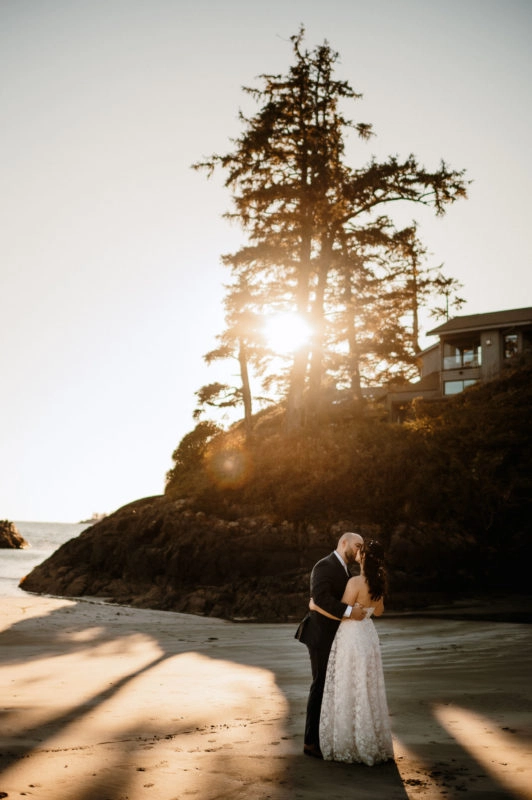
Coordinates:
44 538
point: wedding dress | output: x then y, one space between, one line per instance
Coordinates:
354 723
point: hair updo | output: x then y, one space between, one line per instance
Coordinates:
373 563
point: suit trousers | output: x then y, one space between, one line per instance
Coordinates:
319 657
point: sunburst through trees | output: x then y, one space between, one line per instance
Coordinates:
318 246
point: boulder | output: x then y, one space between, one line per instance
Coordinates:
10 537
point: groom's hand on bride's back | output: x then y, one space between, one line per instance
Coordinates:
357 612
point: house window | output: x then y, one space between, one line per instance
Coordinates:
510 345
460 356
455 387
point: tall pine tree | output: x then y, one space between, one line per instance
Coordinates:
303 208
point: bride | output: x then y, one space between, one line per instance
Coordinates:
354 723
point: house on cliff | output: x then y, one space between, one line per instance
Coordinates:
469 350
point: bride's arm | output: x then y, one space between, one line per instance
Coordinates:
313 607
350 598
379 608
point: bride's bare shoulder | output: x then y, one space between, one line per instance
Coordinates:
352 590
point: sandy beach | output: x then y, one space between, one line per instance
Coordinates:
102 702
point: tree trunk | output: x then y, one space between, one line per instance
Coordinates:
318 325
246 389
354 355
295 405
354 362
415 306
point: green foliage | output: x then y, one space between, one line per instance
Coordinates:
479 461
189 458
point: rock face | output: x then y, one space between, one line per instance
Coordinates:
154 553
10 537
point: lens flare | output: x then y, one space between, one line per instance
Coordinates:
229 468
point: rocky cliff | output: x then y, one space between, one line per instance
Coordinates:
155 553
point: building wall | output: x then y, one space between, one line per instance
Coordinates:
492 355
431 361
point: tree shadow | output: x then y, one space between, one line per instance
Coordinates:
218 744
54 724
172 648
469 686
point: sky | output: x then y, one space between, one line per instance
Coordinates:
110 271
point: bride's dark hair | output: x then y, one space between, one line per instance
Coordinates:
374 571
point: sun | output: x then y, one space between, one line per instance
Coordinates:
286 332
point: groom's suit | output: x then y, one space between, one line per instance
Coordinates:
327 585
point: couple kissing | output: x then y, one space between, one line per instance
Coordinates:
347 712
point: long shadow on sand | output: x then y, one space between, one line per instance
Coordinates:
64 631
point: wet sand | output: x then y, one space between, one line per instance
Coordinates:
111 703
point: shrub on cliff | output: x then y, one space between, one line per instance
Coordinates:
463 465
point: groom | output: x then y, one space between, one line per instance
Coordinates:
327 584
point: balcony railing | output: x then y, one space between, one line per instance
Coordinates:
461 361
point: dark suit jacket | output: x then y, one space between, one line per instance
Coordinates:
327 585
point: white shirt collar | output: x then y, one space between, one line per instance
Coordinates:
341 560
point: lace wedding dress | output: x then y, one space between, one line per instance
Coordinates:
354 723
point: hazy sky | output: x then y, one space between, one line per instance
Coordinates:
109 253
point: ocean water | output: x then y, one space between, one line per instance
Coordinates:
44 538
